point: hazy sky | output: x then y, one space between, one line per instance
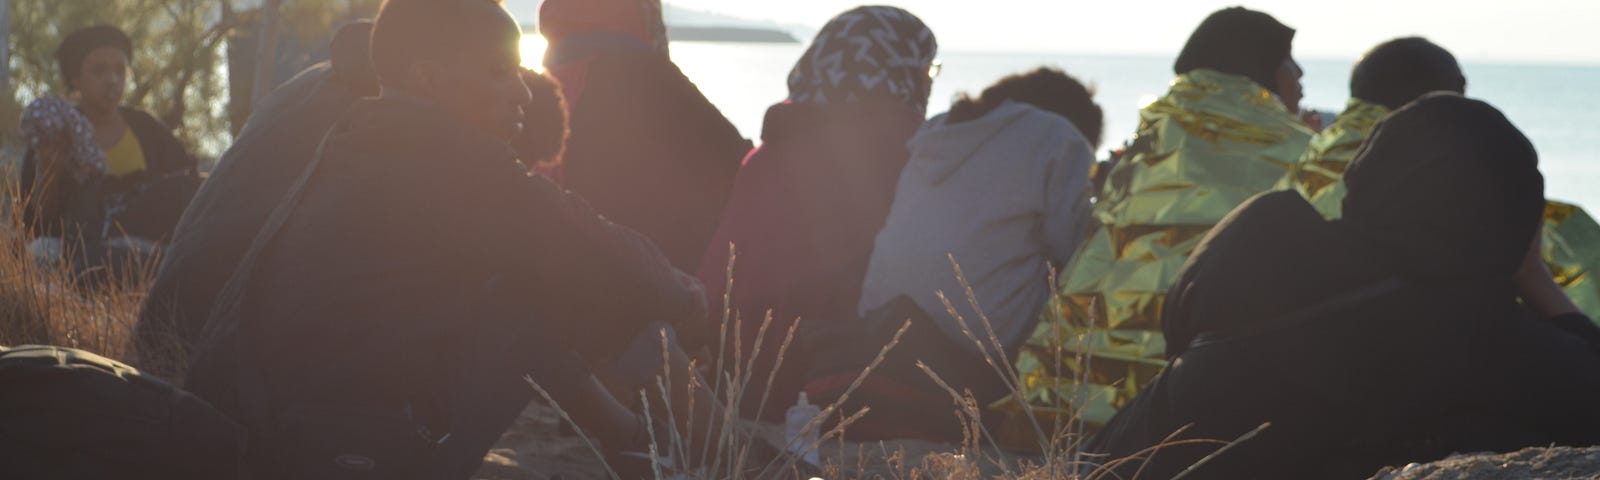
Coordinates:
1476 30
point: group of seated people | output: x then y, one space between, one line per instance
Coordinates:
401 238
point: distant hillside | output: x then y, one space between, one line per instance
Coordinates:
692 25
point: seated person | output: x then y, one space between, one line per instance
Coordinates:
1373 351
999 185
1223 133
251 177
810 200
1391 75
148 178
383 322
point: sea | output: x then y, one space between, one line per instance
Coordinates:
1557 106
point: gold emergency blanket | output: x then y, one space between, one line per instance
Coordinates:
1212 142
1571 237
1572 250
1320 173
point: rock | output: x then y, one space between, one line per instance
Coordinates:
1558 463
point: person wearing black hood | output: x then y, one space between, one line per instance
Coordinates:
1224 132
1402 340
249 180
149 176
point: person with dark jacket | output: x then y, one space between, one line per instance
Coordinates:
1398 339
251 177
149 177
647 149
810 201
383 321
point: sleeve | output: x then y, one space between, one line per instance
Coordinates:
1066 199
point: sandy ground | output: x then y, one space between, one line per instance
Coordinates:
1559 463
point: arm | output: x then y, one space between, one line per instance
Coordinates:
1066 197
606 275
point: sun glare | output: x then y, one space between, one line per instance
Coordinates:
533 46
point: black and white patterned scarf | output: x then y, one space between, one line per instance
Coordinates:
867 52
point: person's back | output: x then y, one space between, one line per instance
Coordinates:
1391 75
807 204
1224 132
1004 194
250 179
648 150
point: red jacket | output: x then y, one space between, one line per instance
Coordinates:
804 212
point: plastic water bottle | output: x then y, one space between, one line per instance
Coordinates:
802 413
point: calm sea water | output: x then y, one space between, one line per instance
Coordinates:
1558 107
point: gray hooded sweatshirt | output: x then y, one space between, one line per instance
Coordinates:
1007 196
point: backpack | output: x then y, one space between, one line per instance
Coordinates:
71 414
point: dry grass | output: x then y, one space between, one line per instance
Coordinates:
96 309
978 456
62 303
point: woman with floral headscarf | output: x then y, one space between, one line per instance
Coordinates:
809 202
647 149
148 176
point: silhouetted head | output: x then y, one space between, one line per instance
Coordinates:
1238 41
1447 187
867 53
1398 71
1047 88
544 122
639 20
94 64
461 55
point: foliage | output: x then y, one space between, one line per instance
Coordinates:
179 65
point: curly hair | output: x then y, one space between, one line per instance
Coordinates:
1049 89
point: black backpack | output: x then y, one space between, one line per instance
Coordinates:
70 414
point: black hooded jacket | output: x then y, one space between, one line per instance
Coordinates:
1391 336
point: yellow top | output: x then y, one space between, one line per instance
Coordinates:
126 157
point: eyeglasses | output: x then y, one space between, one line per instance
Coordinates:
935 68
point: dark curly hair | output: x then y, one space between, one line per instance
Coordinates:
1049 89
544 122
1401 70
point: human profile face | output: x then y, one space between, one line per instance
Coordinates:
482 86
1289 88
101 79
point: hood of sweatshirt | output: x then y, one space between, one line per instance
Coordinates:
939 149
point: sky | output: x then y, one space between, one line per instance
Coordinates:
1517 31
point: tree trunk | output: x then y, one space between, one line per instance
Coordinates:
5 52
266 53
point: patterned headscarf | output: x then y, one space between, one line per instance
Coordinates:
53 117
867 52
